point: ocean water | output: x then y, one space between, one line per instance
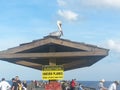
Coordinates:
92 84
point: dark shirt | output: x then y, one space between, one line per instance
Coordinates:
14 85
25 85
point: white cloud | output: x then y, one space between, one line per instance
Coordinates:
102 3
61 2
69 15
114 45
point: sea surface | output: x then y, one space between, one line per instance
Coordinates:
92 84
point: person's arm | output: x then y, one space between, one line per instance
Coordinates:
8 86
13 88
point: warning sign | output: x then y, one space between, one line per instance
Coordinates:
52 72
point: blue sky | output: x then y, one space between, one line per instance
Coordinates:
93 22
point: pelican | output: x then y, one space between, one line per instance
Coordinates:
58 33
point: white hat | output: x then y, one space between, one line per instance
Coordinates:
102 80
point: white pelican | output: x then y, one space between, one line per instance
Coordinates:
58 33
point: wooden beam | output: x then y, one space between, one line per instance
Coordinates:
74 63
27 46
77 45
29 64
50 55
79 64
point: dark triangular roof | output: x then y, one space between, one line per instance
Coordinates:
68 53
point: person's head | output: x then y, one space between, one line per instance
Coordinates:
3 79
24 81
17 77
13 80
102 80
117 82
74 79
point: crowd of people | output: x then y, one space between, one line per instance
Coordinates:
16 84
74 85
113 86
